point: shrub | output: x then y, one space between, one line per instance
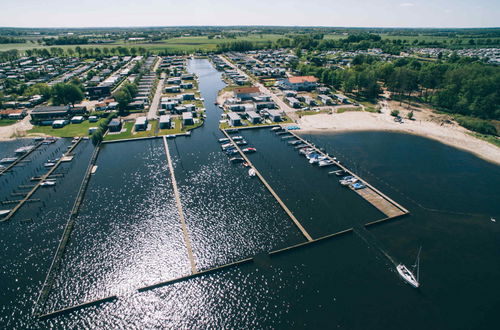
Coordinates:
477 125
395 113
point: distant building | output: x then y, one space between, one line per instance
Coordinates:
165 122
246 93
300 83
254 117
115 125
274 115
59 123
187 118
234 119
141 124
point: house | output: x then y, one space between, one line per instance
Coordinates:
299 83
186 86
254 117
246 93
309 101
188 96
60 123
92 130
187 118
265 105
187 76
325 99
168 105
174 81
341 98
115 125
274 115
323 90
293 102
165 122
93 119
77 119
141 124
234 119
172 89
13 113
49 112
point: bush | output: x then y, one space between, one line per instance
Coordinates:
477 125
395 113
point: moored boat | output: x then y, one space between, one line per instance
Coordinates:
249 150
236 160
251 172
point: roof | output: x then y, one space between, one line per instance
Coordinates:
141 121
233 116
274 113
187 115
253 114
246 90
302 79
12 111
48 109
114 122
165 119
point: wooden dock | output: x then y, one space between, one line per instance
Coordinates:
34 189
20 159
372 195
187 241
56 261
271 190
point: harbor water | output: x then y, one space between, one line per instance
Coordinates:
128 234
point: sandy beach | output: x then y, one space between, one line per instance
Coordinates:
425 124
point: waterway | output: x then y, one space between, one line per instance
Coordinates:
128 234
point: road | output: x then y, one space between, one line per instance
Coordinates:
153 108
290 112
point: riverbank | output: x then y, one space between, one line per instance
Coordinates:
446 132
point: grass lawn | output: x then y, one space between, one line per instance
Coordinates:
311 112
341 110
69 130
7 122
127 134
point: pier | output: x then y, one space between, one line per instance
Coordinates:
179 208
35 188
20 159
56 261
271 190
372 195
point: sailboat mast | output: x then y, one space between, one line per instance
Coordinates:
418 263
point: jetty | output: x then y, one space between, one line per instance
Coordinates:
372 195
185 234
35 188
20 159
271 190
56 261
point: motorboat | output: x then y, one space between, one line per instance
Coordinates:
8 160
230 152
94 169
237 138
358 185
295 142
236 160
4 212
224 140
226 146
325 162
49 164
347 180
277 128
251 172
249 150
48 183
241 142
23 150
409 276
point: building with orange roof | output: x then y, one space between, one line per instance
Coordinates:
299 83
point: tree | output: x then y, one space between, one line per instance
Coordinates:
66 94
39 89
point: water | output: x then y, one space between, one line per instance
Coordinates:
128 234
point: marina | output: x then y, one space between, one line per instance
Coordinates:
207 229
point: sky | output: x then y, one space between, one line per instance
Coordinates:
345 13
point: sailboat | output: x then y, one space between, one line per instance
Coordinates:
409 276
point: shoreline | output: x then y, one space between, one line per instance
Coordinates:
449 134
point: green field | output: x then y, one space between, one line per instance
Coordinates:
7 122
188 44
69 130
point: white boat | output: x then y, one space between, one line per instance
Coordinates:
325 162
23 150
408 275
48 183
251 172
8 160
94 169
49 164
4 212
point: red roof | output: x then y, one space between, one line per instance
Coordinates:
12 111
246 90
302 79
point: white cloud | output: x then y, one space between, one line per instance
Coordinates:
407 4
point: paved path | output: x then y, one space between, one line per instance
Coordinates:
153 108
290 112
